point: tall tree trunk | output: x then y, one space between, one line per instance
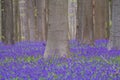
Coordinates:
7 22
18 23
41 24
15 20
72 11
0 22
115 30
101 8
31 20
57 39
23 11
110 18
85 22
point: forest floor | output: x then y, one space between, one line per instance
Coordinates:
24 61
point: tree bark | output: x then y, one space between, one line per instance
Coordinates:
23 13
41 20
31 20
0 22
15 20
85 22
72 11
115 29
7 22
57 39
101 26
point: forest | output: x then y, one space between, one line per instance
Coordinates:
59 40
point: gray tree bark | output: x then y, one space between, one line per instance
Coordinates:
85 22
72 11
15 20
0 22
57 39
101 8
115 30
23 13
31 20
41 20
7 22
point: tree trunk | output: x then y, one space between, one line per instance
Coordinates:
18 24
15 20
23 11
72 11
85 22
57 39
7 22
0 22
31 20
101 8
41 19
115 30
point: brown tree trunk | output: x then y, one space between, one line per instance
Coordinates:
31 20
23 13
15 20
18 24
0 22
57 39
41 26
85 22
7 22
101 8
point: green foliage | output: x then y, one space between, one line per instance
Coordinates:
41 78
116 60
15 79
8 60
31 59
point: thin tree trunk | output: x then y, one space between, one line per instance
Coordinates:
44 20
18 24
57 39
0 22
85 22
72 11
15 17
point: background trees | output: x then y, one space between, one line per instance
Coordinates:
92 20
27 19
57 21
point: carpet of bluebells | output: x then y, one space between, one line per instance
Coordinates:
24 61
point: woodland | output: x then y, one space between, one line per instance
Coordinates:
59 40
